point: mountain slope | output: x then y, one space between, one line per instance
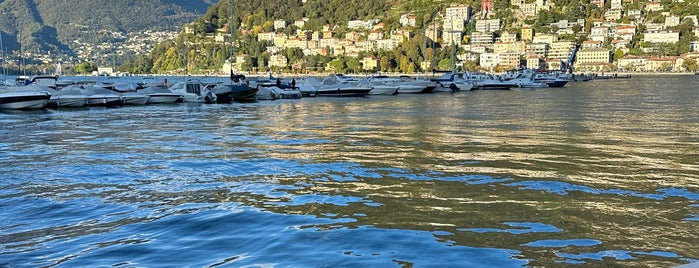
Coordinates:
52 25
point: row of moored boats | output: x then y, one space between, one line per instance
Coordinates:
47 91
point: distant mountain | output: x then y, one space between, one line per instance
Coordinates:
54 25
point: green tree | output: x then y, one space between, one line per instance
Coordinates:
338 65
85 68
690 65
353 64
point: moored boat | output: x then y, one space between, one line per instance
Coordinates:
24 99
194 91
160 95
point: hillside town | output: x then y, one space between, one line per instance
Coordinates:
623 39
605 48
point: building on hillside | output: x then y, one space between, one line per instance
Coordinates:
278 61
479 38
489 60
375 35
616 4
653 6
626 32
400 35
508 37
407 20
360 24
452 37
591 44
279 40
672 21
527 34
510 47
613 15
300 23
661 37
599 3
370 63
354 36
279 24
636 14
599 33
510 60
386 44
487 26
561 50
655 27
296 43
461 12
593 56
533 62
694 46
265 36
660 64
545 38
621 44
538 49
432 32
631 63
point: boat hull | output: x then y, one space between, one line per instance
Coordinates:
163 98
140 99
24 100
105 100
343 92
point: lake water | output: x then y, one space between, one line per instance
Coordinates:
597 173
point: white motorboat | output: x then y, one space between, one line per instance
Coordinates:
35 95
194 91
409 85
23 99
383 85
159 95
339 86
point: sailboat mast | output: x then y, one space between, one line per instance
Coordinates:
230 57
2 50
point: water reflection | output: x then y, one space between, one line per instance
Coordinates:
589 174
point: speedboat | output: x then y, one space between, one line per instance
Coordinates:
333 87
409 85
228 92
383 85
34 95
194 91
23 99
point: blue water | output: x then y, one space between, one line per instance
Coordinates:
596 173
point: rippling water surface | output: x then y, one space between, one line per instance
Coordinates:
597 173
